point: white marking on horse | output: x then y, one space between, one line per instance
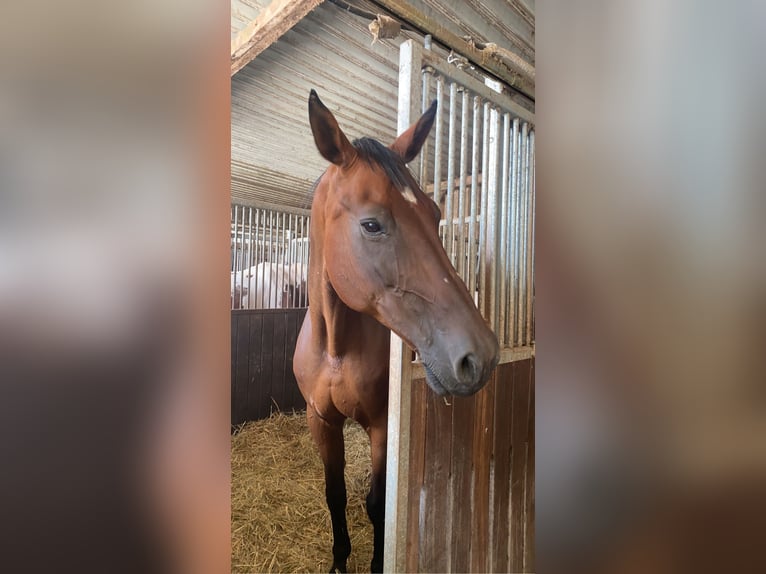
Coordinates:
445 280
409 195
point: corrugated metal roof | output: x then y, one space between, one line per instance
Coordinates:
274 159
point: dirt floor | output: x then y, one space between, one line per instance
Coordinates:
279 518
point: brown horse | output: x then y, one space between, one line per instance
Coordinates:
377 264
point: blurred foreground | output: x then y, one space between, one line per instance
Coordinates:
651 287
113 298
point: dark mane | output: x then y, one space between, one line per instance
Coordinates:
376 154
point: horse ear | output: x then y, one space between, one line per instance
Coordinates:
408 145
331 142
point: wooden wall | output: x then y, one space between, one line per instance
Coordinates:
262 347
479 448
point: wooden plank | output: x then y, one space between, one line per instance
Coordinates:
241 377
435 525
264 387
515 73
235 399
296 400
278 364
255 361
419 390
462 443
501 455
292 393
529 491
507 355
519 437
270 24
482 451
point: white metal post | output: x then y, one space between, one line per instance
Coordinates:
400 369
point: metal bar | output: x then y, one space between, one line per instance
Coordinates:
505 225
266 205
306 254
524 183
233 240
513 230
442 67
304 261
483 287
492 217
267 265
438 142
259 255
514 247
449 237
249 243
461 196
530 243
241 244
279 284
474 208
400 365
289 261
425 150
524 235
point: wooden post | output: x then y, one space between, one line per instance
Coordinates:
515 72
273 21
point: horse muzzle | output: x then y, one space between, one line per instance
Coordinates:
461 368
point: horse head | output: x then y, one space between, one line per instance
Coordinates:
380 251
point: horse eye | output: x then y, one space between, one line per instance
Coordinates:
371 226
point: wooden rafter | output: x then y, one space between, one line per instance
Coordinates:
511 68
273 21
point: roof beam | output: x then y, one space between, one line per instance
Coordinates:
514 71
273 21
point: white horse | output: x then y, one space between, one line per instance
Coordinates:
270 285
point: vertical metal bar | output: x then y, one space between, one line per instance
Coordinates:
289 259
266 281
504 198
475 173
461 196
524 181
233 239
492 213
525 241
483 286
249 243
492 217
298 261
438 143
400 365
276 298
448 242
514 246
425 150
258 256
241 243
530 242
306 251
304 259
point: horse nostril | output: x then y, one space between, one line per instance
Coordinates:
469 370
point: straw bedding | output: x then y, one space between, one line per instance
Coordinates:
279 518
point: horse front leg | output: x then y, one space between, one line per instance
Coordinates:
329 440
376 499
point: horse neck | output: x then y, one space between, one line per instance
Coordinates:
335 320
331 318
